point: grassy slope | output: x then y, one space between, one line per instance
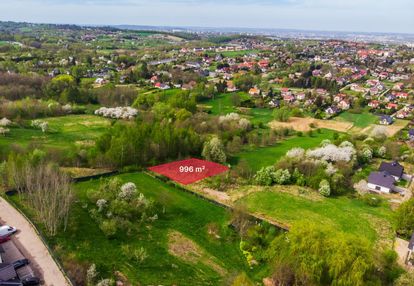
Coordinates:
222 105
345 214
63 132
361 120
84 242
266 156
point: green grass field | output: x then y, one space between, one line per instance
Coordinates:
360 120
63 132
344 214
84 243
236 53
266 156
222 104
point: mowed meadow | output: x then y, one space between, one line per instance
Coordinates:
64 132
190 243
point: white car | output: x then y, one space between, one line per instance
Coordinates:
6 230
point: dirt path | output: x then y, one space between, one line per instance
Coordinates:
33 246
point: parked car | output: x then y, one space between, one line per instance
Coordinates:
4 239
20 263
6 230
31 281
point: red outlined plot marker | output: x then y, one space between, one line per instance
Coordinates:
189 171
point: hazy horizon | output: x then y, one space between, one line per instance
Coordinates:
368 16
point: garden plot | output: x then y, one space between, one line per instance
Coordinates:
304 124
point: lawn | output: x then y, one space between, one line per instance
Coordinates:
343 213
222 104
236 53
360 120
83 243
63 132
266 156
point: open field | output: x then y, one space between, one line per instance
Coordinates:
360 120
391 130
303 124
266 156
181 249
222 104
236 53
346 214
64 132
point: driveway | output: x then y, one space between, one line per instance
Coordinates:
32 246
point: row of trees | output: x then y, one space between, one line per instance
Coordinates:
145 143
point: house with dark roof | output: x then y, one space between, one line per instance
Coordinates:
386 120
392 168
381 182
411 134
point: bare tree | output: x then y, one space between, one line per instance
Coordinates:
49 193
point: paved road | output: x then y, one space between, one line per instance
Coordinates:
33 246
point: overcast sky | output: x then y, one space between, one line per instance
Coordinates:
336 15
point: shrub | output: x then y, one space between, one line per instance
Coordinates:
214 151
371 200
264 176
405 218
109 227
281 176
324 188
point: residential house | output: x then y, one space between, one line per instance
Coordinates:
391 105
401 95
381 182
411 134
289 98
162 86
301 96
274 103
386 120
332 110
230 86
344 105
374 104
394 169
254 91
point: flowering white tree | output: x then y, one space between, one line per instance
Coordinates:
4 131
324 188
296 153
229 117
101 204
382 151
367 154
281 176
330 169
379 132
43 125
4 122
214 151
67 108
128 190
244 124
333 153
117 112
